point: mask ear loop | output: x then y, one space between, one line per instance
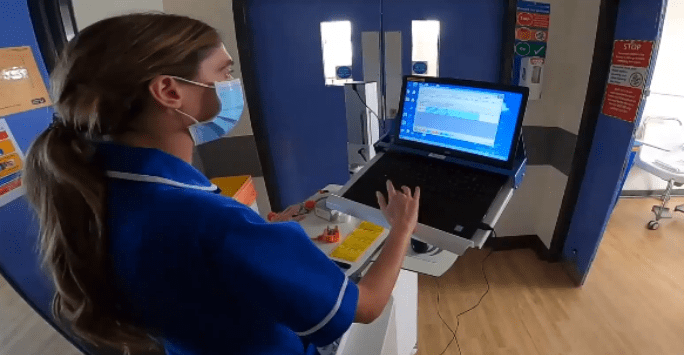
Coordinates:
193 82
183 113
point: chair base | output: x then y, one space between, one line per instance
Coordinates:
661 212
653 225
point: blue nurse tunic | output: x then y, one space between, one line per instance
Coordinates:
208 275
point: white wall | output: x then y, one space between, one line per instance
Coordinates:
88 12
218 14
668 78
572 32
535 205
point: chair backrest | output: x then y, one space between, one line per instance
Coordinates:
664 132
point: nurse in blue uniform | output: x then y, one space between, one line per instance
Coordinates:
144 252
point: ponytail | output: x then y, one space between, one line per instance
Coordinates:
68 190
99 87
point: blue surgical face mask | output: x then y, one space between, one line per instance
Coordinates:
232 101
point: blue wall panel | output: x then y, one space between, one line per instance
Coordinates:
18 228
613 138
470 35
304 121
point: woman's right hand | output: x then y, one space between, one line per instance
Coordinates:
290 214
401 207
375 288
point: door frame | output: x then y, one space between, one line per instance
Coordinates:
606 142
600 68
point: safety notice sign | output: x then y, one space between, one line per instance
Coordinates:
532 19
531 34
531 39
21 85
11 163
628 74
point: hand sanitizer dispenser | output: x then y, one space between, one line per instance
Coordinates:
531 75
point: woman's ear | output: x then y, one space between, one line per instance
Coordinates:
166 91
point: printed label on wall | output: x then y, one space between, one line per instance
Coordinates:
531 37
21 85
628 75
343 72
11 163
632 53
531 34
419 68
533 14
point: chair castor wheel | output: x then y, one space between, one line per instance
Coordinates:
653 225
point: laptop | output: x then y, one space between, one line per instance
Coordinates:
457 140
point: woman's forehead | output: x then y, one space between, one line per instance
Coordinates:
218 57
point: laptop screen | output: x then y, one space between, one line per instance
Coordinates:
479 121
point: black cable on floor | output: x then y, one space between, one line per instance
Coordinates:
445 323
458 322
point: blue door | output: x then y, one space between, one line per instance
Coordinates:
639 24
299 122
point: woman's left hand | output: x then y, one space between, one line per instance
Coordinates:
290 214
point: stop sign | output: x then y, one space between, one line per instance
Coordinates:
525 19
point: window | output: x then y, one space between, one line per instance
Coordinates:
666 97
337 52
425 53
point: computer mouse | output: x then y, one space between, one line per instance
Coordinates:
418 246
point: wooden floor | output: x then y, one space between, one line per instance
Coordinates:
632 303
23 332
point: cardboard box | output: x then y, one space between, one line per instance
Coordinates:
240 188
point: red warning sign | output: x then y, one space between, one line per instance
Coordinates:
541 21
523 34
627 79
533 20
525 19
632 53
12 185
526 34
621 102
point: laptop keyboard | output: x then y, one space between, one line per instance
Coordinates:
451 194
436 176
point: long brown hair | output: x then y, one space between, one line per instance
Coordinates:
99 87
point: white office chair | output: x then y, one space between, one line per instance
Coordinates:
662 154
